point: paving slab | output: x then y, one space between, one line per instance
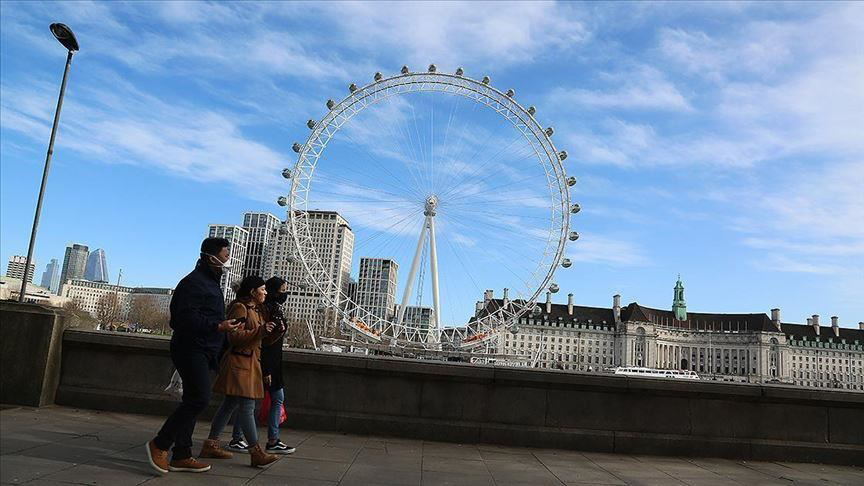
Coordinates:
55 445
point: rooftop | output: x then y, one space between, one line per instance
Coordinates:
57 445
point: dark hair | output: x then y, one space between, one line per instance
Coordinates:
249 284
273 284
212 246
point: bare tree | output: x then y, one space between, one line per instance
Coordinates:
77 317
146 313
297 335
108 311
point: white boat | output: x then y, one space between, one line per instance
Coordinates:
655 373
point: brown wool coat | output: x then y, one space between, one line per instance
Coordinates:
240 369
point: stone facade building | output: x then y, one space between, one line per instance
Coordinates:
752 348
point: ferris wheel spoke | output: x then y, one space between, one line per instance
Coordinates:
382 166
478 169
409 154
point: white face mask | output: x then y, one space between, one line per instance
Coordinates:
225 265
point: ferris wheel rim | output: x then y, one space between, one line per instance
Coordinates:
323 131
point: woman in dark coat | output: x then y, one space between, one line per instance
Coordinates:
271 363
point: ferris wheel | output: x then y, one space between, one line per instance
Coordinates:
447 176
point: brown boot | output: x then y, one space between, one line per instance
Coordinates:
212 450
259 458
157 458
188 465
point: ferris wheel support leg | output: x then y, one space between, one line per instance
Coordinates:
433 263
406 295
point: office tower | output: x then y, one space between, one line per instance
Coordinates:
51 277
262 228
97 267
15 268
237 238
376 286
419 317
74 263
333 242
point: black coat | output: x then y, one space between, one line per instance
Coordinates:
271 355
197 308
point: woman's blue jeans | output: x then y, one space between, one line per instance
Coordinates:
277 398
245 418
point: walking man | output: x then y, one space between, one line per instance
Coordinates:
199 325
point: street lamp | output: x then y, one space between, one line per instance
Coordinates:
65 36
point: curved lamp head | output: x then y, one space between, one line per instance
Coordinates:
65 36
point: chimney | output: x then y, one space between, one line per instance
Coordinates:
775 318
815 319
569 304
487 296
548 302
814 323
506 299
861 326
616 308
835 326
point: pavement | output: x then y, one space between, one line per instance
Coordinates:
57 445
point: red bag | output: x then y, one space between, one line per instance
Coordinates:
264 410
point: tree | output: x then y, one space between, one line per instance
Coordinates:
77 317
108 311
297 335
146 313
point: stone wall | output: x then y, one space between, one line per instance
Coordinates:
30 341
470 403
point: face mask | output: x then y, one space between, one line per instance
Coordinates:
218 263
281 298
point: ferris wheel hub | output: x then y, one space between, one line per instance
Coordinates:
431 204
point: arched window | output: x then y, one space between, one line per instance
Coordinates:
774 358
640 347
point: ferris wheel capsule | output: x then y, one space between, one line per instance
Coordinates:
571 181
460 71
566 263
330 104
553 288
404 70
283 230
485 80
286 173
510 93
352 87
574 236
549 132
378 76
310 123
536 311
562 155
282 201
575 208
432 68
296 147
532 110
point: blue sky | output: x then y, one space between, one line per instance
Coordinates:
721 141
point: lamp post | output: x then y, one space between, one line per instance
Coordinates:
65 36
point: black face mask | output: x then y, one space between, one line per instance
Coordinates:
281 298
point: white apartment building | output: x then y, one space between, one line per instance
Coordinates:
15 268
752 348
422 318
88 294
333 241
237 238
262 228
376 287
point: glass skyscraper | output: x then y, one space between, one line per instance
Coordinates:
97 267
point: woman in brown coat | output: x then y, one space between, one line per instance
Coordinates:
240 372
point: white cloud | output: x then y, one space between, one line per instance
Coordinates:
639 88
604 250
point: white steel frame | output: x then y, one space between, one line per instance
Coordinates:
480 92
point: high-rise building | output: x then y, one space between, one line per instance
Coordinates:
51 277
74 263
97 267
262 228
15 268
422 318
376 286
237 238
333 242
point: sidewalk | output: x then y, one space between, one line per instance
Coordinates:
56 445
